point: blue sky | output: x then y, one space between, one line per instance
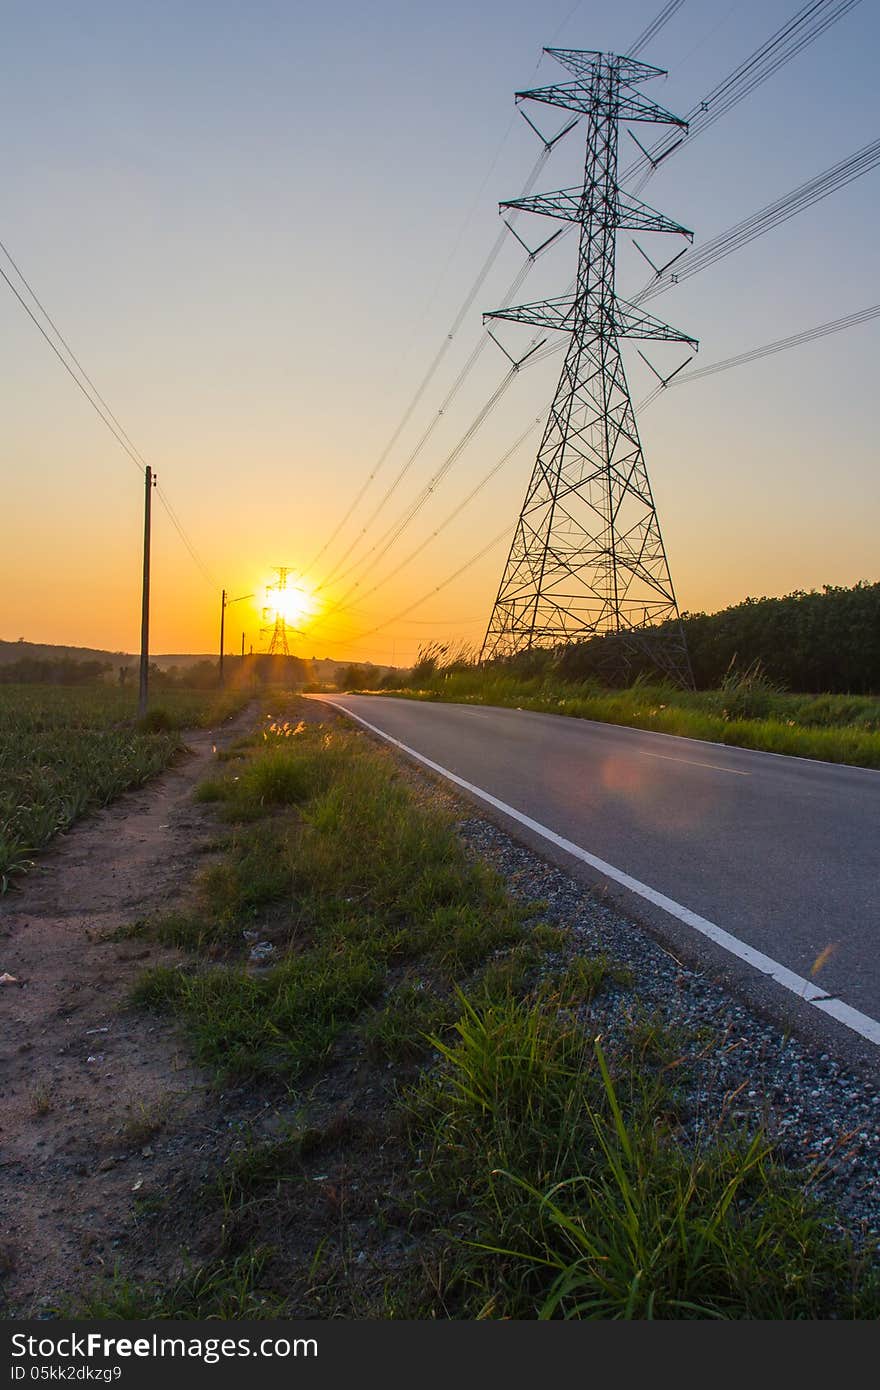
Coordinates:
242 218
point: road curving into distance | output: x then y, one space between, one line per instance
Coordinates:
763 863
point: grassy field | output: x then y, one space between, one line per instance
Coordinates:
66 750
442 1136
747 713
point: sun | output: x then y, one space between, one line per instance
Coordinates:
293 603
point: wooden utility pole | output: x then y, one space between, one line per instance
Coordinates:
224 604
222 630
149 484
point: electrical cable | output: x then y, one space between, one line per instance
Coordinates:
481 344
433 367
653 29
774 214
753 71
666 13
726 364
96 400
742 359
757 224
381 547
447 521
806 335
72 374
805 25
496 540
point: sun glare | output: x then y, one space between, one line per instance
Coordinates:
294 604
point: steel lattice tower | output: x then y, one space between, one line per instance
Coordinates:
587 557
278 645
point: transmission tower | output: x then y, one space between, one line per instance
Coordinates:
278 640
587 557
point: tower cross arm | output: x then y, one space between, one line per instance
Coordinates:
572 205
545 313
583 98
632 106
632 322
636 216
567 203
583 63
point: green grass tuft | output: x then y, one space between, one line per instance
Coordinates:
570 1197
401 1029
220 1289
276 1024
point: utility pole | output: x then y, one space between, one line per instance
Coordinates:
224 604
587 558
149 484
222 626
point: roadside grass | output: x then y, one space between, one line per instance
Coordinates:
443 1133
360 881
242 1026
832 728
403 1027
221 1289
570 1196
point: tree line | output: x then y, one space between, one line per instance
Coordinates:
826 639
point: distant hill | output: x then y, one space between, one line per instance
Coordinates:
41 651
325 668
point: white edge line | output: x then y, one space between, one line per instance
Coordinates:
805 990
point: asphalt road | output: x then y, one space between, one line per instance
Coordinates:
781 853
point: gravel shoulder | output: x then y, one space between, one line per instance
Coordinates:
824 1116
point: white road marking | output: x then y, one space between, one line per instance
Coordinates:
860 1023
692 762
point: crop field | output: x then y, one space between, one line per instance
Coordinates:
65 751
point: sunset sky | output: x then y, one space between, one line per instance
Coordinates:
254 225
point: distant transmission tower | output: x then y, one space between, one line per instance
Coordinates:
587 557
278 640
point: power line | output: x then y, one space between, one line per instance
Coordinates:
496 540
724 244
415 399
179 528
435 420
803 28
665 14
95 399
653 29
72 374
719 24
393 533
806 335
69 350
726 364
793 340
774 214
447 521
768 58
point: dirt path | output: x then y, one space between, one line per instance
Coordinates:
101 1112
